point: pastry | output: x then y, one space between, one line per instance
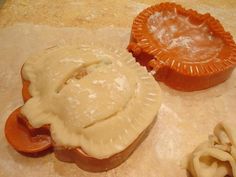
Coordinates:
98 105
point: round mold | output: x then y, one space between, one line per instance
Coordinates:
186 50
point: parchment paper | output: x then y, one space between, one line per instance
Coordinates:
184 121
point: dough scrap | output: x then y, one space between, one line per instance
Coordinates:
216 157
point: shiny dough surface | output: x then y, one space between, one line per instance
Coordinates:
185 119
92 97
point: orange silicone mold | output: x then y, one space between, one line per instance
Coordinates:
22 136
184 49
35 142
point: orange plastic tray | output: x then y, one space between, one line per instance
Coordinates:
26 139
184 49
22 136
35 142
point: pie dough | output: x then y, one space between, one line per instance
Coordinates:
216 157
93 98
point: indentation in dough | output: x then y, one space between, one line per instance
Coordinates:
101 120
76 74
79 73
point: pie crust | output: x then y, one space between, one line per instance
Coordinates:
98 104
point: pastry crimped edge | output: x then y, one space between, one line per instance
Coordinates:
84 161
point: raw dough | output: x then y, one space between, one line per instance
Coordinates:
216 157
93 98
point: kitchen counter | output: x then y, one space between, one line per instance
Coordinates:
185 118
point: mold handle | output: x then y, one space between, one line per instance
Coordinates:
134 48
